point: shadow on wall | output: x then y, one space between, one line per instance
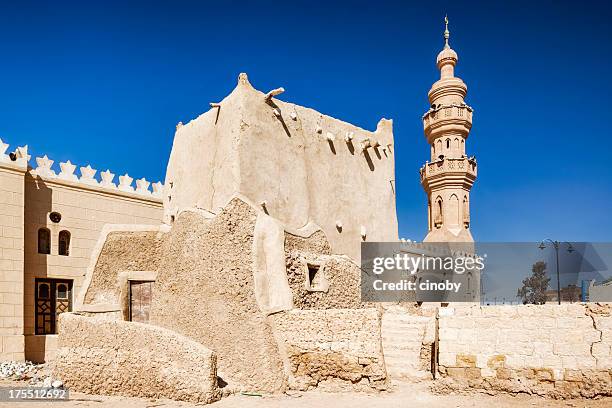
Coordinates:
37 206
279 116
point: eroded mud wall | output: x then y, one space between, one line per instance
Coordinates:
205 291
122 251
115 357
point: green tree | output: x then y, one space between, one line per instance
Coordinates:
534 287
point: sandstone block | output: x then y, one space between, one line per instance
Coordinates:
566 323
465 360
473 373
544 374
456 372
497 361
446 359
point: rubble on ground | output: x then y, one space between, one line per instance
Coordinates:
15 370
35 374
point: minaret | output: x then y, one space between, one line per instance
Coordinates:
448 177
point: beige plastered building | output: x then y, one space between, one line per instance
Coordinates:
49 224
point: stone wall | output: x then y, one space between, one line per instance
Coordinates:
126 358
332 348
408 335
554 350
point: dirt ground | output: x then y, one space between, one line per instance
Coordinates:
404 395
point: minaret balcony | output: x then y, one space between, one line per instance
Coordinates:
464 166
447 118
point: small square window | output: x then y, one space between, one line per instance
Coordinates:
313 274
316 280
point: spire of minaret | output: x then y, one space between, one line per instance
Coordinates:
449 175
447 58
446 32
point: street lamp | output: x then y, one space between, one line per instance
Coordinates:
556 245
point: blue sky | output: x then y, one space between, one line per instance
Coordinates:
105 83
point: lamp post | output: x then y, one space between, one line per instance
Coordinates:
556 245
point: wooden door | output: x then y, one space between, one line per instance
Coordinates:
52 297
140 301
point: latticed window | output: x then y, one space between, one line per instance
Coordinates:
64 243
52 297
44 241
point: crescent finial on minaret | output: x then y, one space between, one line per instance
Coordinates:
446 32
